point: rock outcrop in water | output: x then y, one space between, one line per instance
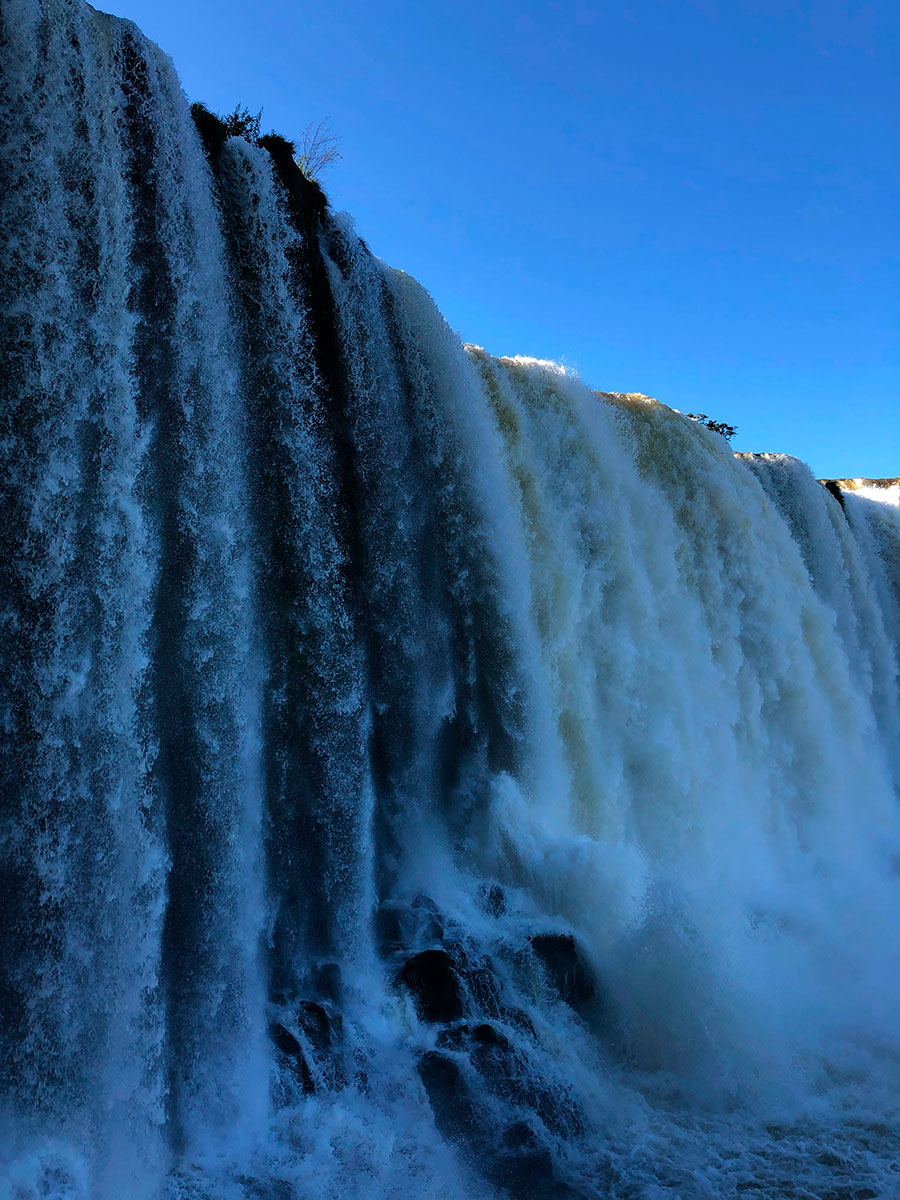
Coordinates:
421 775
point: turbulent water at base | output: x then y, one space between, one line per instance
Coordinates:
422 776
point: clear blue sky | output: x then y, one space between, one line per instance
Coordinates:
696 200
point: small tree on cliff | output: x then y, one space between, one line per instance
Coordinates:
243 123
314 150
720 427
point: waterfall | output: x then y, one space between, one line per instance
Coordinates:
421 774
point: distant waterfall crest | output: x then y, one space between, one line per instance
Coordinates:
417 768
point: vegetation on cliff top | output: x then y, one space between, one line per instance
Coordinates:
720 427
315 149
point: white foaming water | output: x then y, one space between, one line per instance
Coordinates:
328 643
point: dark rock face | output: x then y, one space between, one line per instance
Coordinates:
454 1038
316 1024
565 968
403 926
309 1039
520 1020
493 900
482 1061
482 1064
326 979
211 128
834 488
487 1035
482 985
521 1167
431 978
267 1189
454 1110
837 487
527 1174
289 1046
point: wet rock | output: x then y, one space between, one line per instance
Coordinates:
454 1038
487 1035
454 1111
483 988
431 930
326 981
316 1024
404 926
850 1193
521 1169
302 190
266 1189
492 899
834 488
519 1020
461 1037
511 1076
828 1159
211 128
431 978
284 1040
290 1048
565 968
519 1135
527 1174
497 1063
388 928
322 1029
